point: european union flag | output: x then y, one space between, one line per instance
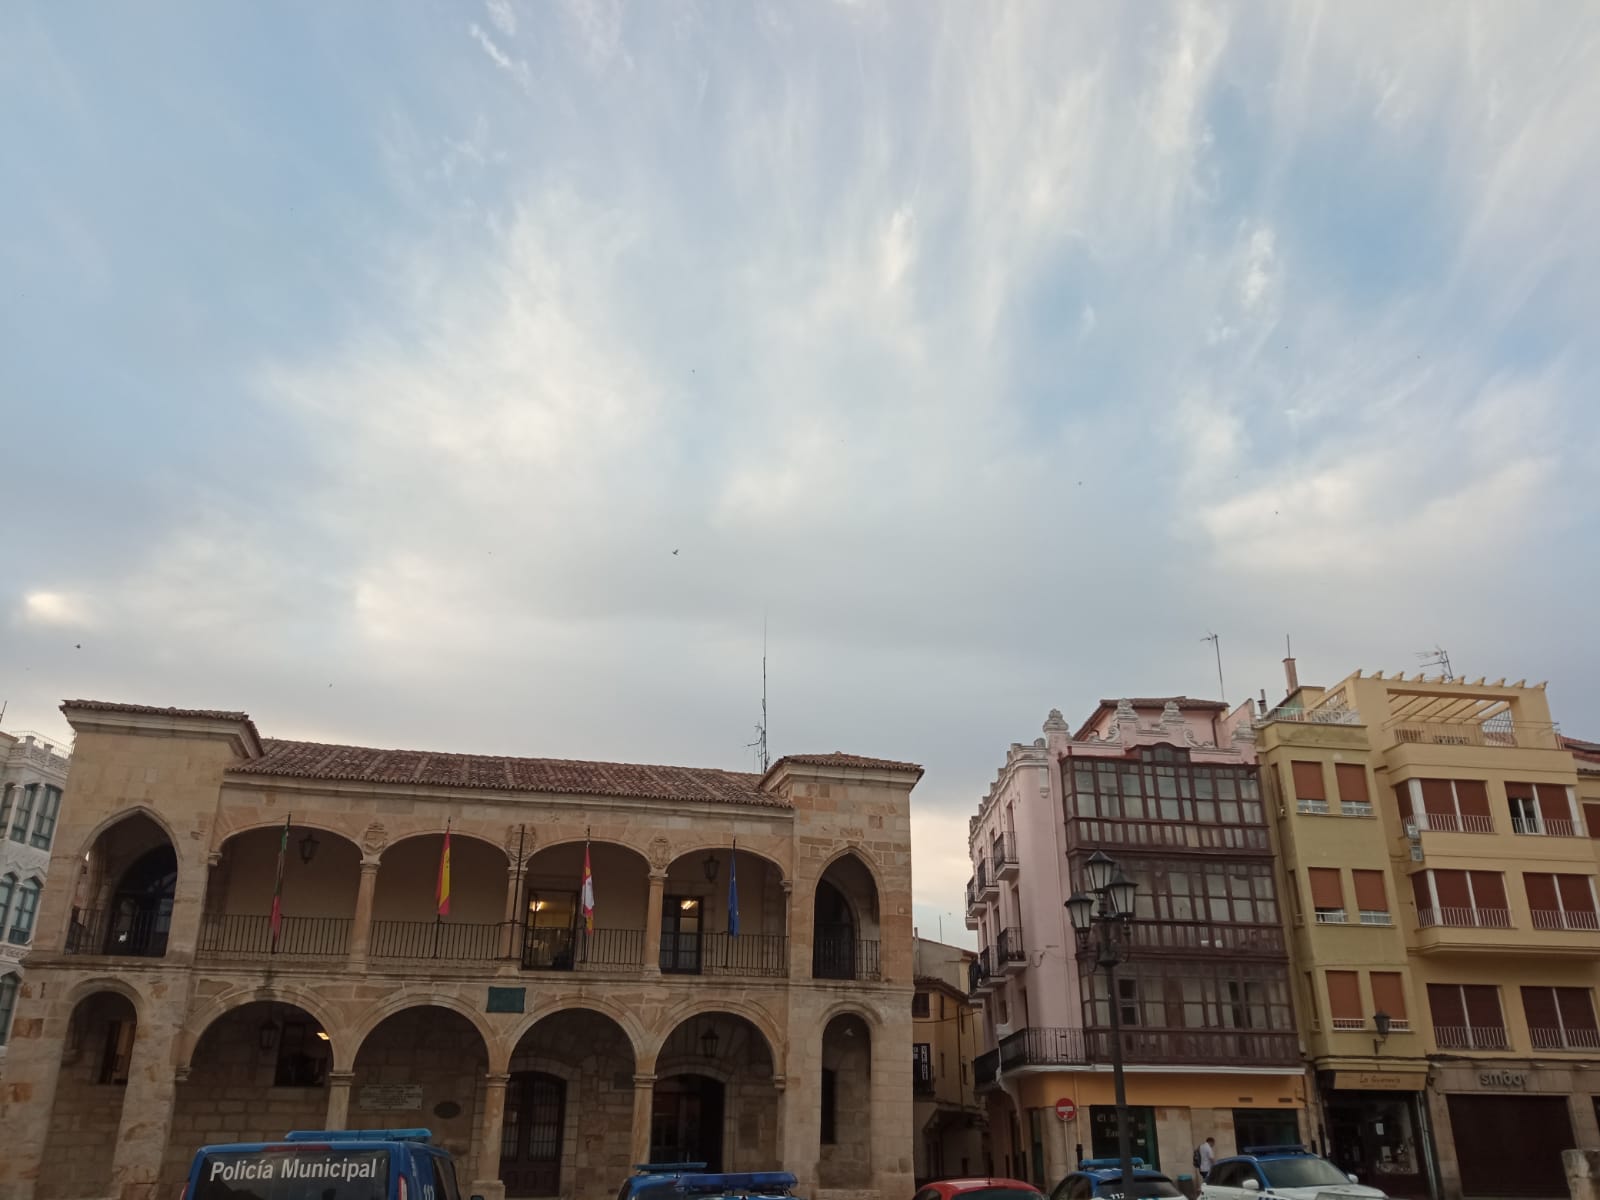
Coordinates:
733 894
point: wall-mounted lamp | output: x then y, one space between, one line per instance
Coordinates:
308 847
709 1042
710 868
268 1033
1383 1022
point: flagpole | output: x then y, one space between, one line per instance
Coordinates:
442 890
519 915
275 921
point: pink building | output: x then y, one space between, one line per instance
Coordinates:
1168 787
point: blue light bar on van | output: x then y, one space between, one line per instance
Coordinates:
750 1182
359 1135
672 1168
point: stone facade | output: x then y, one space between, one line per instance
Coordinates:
531 1047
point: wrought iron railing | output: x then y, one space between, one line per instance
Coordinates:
250 934
125 935
1494 732
1464 918
578 950
1199 1046
448 940
1003 851
1043 1046
1471 1037
837 954
1008 947
753 954
1564 1039
1455 822
1550 918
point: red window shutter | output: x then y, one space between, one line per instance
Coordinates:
1539 1006
1541 892
1445 1005
1591 819
1452 889
1553 802
1489 889
1308 781
1575 893
1483 1007
1326 891
1388 995
1473 796
1437 799
1519 791
1344 995
1370 893
1419 890
1577 1008
1352 781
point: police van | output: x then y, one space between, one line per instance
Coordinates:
327 1164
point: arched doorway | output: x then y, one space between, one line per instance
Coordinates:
122 904
424 1066
845 1158
845 922
714 1098
724 912
257 1071
686 1121
321 875
568 1122
87 1110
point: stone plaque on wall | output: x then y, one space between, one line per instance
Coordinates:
506 999
389 1097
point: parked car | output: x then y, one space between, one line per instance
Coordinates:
674 1181
326 1164
1291 1172
987 1188
1096 1177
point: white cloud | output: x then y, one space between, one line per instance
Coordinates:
516 68
503 16
66 609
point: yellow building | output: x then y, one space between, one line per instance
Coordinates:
1441 904
946 1034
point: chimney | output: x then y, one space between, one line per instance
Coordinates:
1290 675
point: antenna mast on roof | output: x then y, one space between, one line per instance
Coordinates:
1437 657
763 759
1216 644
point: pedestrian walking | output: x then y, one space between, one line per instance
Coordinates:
1205 1154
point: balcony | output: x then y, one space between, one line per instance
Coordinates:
1003 854
241 935
1447 822
921 1079
1564 1039
981 978
1464 918
1199 1047
1546 918
1498 732
988 884
972 903
1008 953
1201 937
1315 807
1043 1047
118 934
1471 1037
1091 833
1543 827
839 954
986 1069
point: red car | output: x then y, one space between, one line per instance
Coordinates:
979 1189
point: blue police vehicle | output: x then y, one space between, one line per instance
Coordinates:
679 1181
326 1164
1097 1177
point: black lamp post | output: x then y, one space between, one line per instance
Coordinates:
1100 915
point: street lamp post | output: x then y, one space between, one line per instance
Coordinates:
1101 912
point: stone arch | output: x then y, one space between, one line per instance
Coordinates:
86 845
456 835
406 921
362 1030
715 1098
318 898
85 988
851 1008
866 858
200 1021
687 1010
553 934
702 848
87 1108
314 820
639 1041
129 873
845 1152
697 914
846 909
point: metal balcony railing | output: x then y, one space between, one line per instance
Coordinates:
1471 1037
1543 827
249 935
578 950
446 940
980 970
986 1068
1564 1039
1197 1046
921 1079
1003 854
1464 918
1454 822
837 954
1549 918
1494 732
1043 1046
130 935
1008 948
753 954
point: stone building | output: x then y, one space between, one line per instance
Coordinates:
33 771
946 1032
161 1011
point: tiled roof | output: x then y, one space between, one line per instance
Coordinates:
840 759
1588 752
150 710
1184 703
363 764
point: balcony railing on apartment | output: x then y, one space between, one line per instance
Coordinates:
1317 807
1464 918
1008 949
1471 1037
1549 918
1060 1047
445 940
1495 732
980 971
837 954
1003 854
1089 832
1207 937
249 935
1544 827
1563 1039
753 954
578 950
1326 714
123 935
988 882
972 893
1454 822
921 1079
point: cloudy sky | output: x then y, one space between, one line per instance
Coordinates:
483 377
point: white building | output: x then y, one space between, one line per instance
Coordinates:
33 772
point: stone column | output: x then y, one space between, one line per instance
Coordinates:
513 918
652 930
486 1157
893 1132
146 1108
780 1085
800 1110
339 1099
361 926
28 1089
644 1095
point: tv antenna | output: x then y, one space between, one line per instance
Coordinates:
763 758
1437 657
1216 644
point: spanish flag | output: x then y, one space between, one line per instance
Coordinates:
588 892
442 890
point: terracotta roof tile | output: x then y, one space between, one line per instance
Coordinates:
840 759
151 710
1588 752
493 772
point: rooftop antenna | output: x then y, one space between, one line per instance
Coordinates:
760 744
1437 657
1216 644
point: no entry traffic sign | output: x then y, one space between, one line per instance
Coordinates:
1065 1109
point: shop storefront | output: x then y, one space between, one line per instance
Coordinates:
1501 1125
1377 1129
